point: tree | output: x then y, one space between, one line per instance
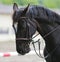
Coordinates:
20 2
52 3
26 2
6 1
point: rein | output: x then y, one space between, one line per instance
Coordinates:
30 39
44 37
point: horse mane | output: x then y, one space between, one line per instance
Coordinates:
38 12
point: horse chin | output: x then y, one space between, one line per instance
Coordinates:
23 50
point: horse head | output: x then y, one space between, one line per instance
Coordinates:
25 29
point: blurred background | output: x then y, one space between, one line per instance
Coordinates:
7 35
46 3
6 12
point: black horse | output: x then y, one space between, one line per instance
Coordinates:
45 21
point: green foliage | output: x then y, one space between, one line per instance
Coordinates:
52 3
40 2
6 1
46 3
20 2
25 2
58 3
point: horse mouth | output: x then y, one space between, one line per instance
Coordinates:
23 52
23 49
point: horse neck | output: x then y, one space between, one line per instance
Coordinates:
43 15
49 40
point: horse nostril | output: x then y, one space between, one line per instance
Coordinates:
28 49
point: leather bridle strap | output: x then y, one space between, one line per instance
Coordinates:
25 39
51 31
45 37
14 28
35 28
47 33
27 28
39 44
38 40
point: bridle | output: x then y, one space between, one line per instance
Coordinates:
30 39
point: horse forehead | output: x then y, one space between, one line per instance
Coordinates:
32 28
18 13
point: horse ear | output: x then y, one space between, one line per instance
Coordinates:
15 7
25 10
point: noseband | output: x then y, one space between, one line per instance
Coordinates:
28 36
27 29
